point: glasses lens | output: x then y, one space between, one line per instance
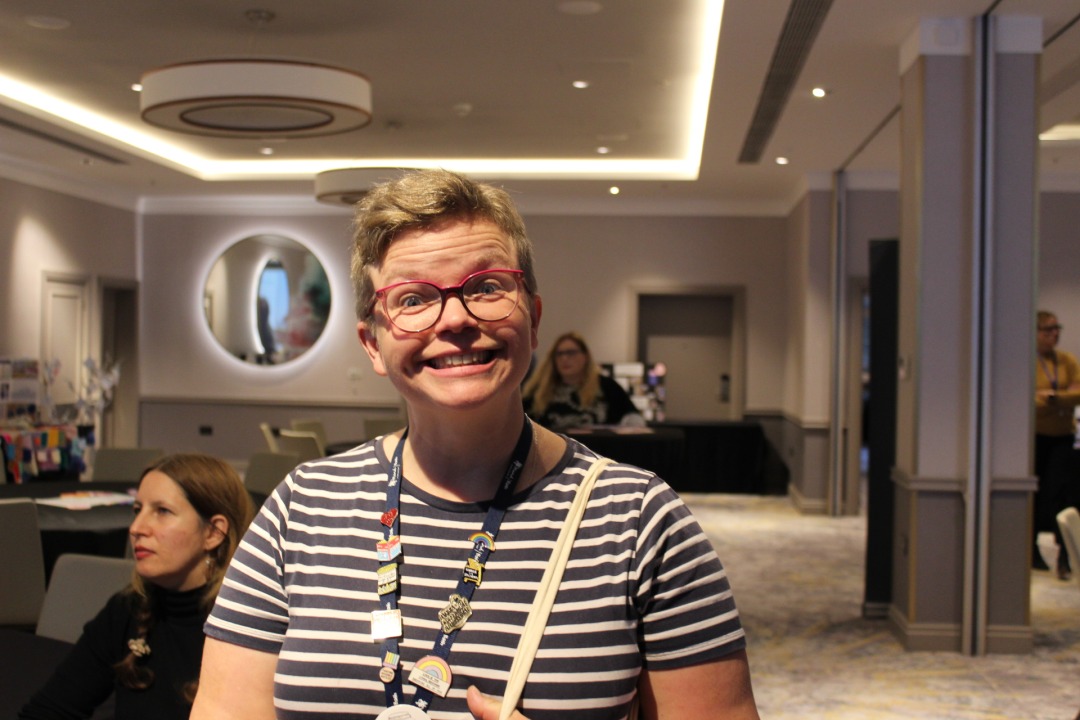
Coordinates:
491 295
416 306
413 306
1050 328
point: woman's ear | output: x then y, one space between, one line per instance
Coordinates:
366 331
217 531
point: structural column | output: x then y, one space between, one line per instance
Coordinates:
962 479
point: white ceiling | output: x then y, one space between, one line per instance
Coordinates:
513 63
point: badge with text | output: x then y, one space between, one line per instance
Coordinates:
454 615
474 571
432 673
388 578
389 549
403 712
385 624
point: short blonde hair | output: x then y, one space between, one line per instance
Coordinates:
422 199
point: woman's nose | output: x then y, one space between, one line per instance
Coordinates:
454 314
137 527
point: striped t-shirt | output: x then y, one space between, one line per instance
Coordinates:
643 587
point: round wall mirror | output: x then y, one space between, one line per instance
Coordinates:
267 299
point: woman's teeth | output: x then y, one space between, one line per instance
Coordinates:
473 358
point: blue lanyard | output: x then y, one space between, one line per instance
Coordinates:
483 543
1046 371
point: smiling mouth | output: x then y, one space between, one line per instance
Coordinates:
452 361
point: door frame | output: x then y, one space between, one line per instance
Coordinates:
85 340
737 295
128 384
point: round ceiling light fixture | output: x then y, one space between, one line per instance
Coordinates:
255 99
348 186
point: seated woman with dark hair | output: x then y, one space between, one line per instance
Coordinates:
146 644
568 391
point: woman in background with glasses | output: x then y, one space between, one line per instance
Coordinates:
568 391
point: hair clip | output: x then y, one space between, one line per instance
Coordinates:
138 647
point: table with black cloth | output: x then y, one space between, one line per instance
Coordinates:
100 530
722 456
26 662
659 449
719 456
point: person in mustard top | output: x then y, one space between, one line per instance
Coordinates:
1057 392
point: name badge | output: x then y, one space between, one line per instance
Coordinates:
385 624
402 712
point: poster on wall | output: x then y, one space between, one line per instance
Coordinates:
20 387
644 383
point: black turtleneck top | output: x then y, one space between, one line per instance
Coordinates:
86 678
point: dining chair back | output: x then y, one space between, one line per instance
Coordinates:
79 587
266 470
123 464
374 427
313 426
305 445
1069 522
22 582
270 434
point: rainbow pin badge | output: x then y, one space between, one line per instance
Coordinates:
483 538
432 673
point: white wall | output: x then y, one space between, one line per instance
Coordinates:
182 360
45 232
1059 264
587 268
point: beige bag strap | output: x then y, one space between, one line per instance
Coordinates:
545 595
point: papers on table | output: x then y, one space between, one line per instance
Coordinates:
86 499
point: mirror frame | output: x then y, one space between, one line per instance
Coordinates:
230 300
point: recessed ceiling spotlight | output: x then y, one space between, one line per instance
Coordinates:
47 22
580 84
781 160
603 150
137 87
266 151
614 189
462 109
819 92
580 7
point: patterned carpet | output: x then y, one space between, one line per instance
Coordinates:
798 581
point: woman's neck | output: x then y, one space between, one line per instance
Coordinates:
460 458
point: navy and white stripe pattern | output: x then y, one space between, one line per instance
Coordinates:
643 587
